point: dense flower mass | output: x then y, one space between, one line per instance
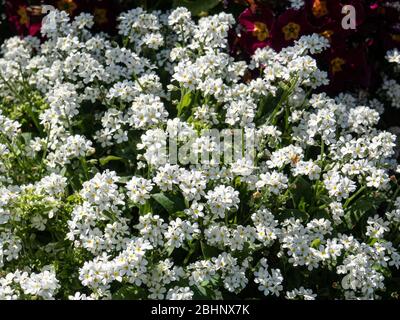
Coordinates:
108 190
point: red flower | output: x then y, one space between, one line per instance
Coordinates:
26 19
257 26
23 18
290 26
321 12
333 31
348 68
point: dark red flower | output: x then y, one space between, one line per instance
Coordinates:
320 12
333 31
19 17
290 26
348 68
256 27
26 19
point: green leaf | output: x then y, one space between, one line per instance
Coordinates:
200 291
27 137
361 208
208 251
294 213
129 293
170 250
171 203
125 179
164 201
197 7
385 271
265 108
315 244
187 99
105 160
372 241
185 102
302 191
320 214
63 171
73 198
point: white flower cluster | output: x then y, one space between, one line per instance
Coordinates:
393 56
18 285
391 89
296 4
86 183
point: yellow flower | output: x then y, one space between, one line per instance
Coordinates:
319 8
100 16
327 34
260 31
396 37
23 15
337 64
291 31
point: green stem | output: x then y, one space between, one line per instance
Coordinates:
282 100
21 98
10 146
202 249
354 196
322 154
85 167
33 117
45 151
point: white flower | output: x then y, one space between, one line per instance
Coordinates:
139 190
222 199
178 293
268 283
274 181
301 293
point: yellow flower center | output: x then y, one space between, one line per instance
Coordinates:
327 34
23 15
260 31
337 64
100 16
396 37
67 5
291 31
319 8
